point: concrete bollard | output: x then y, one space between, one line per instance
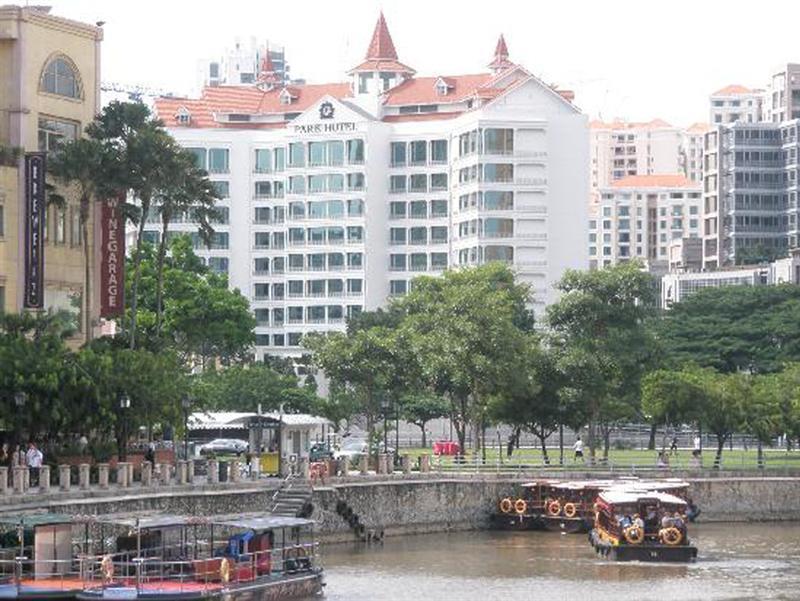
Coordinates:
122 474
130 473
233 473
181 472
147 473
83 476
189 471
363 465
26 479
44 478
102 475
382 463
213 471
164 473
342 465
406 462
424 463
3 481
19 479
65 477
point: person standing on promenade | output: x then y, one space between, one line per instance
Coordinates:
34 459
578 448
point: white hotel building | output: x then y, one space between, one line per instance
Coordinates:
338 195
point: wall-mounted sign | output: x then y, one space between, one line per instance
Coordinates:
35 206
112 260
325 128
326 110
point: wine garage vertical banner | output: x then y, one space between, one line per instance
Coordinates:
35 207
112 259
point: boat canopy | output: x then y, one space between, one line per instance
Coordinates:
37 519
259 521
145 521
622 496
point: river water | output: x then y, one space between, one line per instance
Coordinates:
735 561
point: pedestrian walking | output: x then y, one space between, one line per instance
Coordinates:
578 448
673 447
34 459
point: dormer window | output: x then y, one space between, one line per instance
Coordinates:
183 116
286 96
441 89
443 86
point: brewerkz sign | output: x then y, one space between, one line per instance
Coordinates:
112 259
35 206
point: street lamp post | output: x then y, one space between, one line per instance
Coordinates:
124 405
561 435
186 403
385 410
20 398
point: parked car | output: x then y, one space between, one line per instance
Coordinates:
224 446
353 449
319 451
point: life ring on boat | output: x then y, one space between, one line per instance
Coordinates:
634 534
570 510
554 507
225 570
670 536
107 568
506 505
520 506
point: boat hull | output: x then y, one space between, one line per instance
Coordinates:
512 521
643 552
288 587
567 525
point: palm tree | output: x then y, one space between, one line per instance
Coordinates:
188 190
81 164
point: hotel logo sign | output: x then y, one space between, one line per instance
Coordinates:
112 261
35 206
326 110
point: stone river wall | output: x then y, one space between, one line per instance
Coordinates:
405 505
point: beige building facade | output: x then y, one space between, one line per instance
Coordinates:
49 91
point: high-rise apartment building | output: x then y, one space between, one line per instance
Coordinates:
750 190
338 195
691 151
241 63
782 96
49 91
735 103
639 216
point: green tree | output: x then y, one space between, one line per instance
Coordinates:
752 329
421 408
597 328
464 330
763 416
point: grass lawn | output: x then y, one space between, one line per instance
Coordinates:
731 459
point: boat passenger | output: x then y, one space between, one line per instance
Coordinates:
624 521
638 521
679 522
667 521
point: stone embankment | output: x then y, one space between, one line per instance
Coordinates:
356 506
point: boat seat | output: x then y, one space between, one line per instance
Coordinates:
207 569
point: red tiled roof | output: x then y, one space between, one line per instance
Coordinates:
733 90
391 65
698 128
500 60
422 90
663 180
422 116
381 46
246 100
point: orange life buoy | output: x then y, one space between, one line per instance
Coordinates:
520 506
634 534
506 505
570 510
554 507
670 536
225 570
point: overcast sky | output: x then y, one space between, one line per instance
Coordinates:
633 59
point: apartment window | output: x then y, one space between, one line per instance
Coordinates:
498 172
418 152
218 264
355 260
438 181
397 235
297 156
498 141
261 291
53 132
494 200
397 184
316 153
278 316
262 215
355 152
438 261
297 210
398 287
335 151
355 234
296 235
261 265
317 210
398 154
297 184
439 151
278 340
218 160
418 209
418 182
335 261
355 286
262 317
418 235
60 77
363 82
222 189
355 207
263 160
279 155
438 208
397 262
263 189
355 182
419 262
